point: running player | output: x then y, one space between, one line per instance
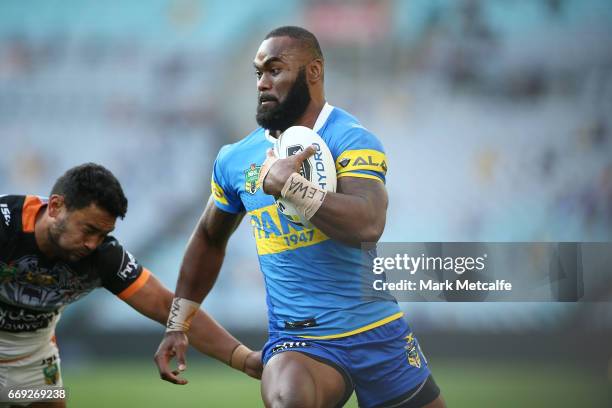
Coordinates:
327 337
55 251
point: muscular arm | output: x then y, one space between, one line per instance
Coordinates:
199 270
153 300
356 213
205 252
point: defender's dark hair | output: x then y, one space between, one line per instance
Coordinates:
305 37
88 184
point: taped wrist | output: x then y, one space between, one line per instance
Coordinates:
238 357
182 312
305 195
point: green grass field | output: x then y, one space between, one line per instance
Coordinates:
464 384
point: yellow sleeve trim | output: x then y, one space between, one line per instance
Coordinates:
218 193
359 330
360 175
362 159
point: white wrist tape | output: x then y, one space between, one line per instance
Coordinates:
239 356
182 312
305 195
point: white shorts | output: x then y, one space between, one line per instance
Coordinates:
41 369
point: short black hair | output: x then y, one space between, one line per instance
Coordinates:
91 183
305 37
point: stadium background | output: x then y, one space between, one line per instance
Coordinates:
495 115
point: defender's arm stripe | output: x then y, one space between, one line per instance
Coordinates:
136 285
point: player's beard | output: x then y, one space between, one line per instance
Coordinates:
54 236
285 114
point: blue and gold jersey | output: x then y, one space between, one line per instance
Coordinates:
316 287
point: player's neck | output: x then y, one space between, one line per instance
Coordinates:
309 118
41 233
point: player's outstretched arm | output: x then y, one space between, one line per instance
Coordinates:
356 213
199 270
205 252
206 335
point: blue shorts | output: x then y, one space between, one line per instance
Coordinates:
380 364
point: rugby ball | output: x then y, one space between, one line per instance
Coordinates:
319 168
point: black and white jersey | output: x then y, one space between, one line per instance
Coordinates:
34 288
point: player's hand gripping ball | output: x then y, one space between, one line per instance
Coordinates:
319 168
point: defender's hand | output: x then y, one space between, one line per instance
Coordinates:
174 344
253 365
275 171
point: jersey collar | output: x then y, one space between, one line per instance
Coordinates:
321 119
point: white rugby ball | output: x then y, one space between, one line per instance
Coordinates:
319 168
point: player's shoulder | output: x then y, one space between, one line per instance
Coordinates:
109 253
242 146
12 201
117 267
110 244
344 131
11 207
112 258
18 212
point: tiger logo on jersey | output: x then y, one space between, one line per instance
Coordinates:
251 176
29 281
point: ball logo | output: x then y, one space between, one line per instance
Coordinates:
319 168
306 170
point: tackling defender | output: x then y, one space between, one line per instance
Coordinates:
327 337
52 253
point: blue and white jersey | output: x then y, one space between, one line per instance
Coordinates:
316 287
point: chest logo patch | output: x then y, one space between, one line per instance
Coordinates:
251 178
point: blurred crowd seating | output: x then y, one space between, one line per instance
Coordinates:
495 116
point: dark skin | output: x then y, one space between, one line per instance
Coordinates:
290 379
277 63
204 255
355 199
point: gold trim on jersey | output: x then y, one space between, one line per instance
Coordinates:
360 175
218 193
359 330
274 233
361 159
